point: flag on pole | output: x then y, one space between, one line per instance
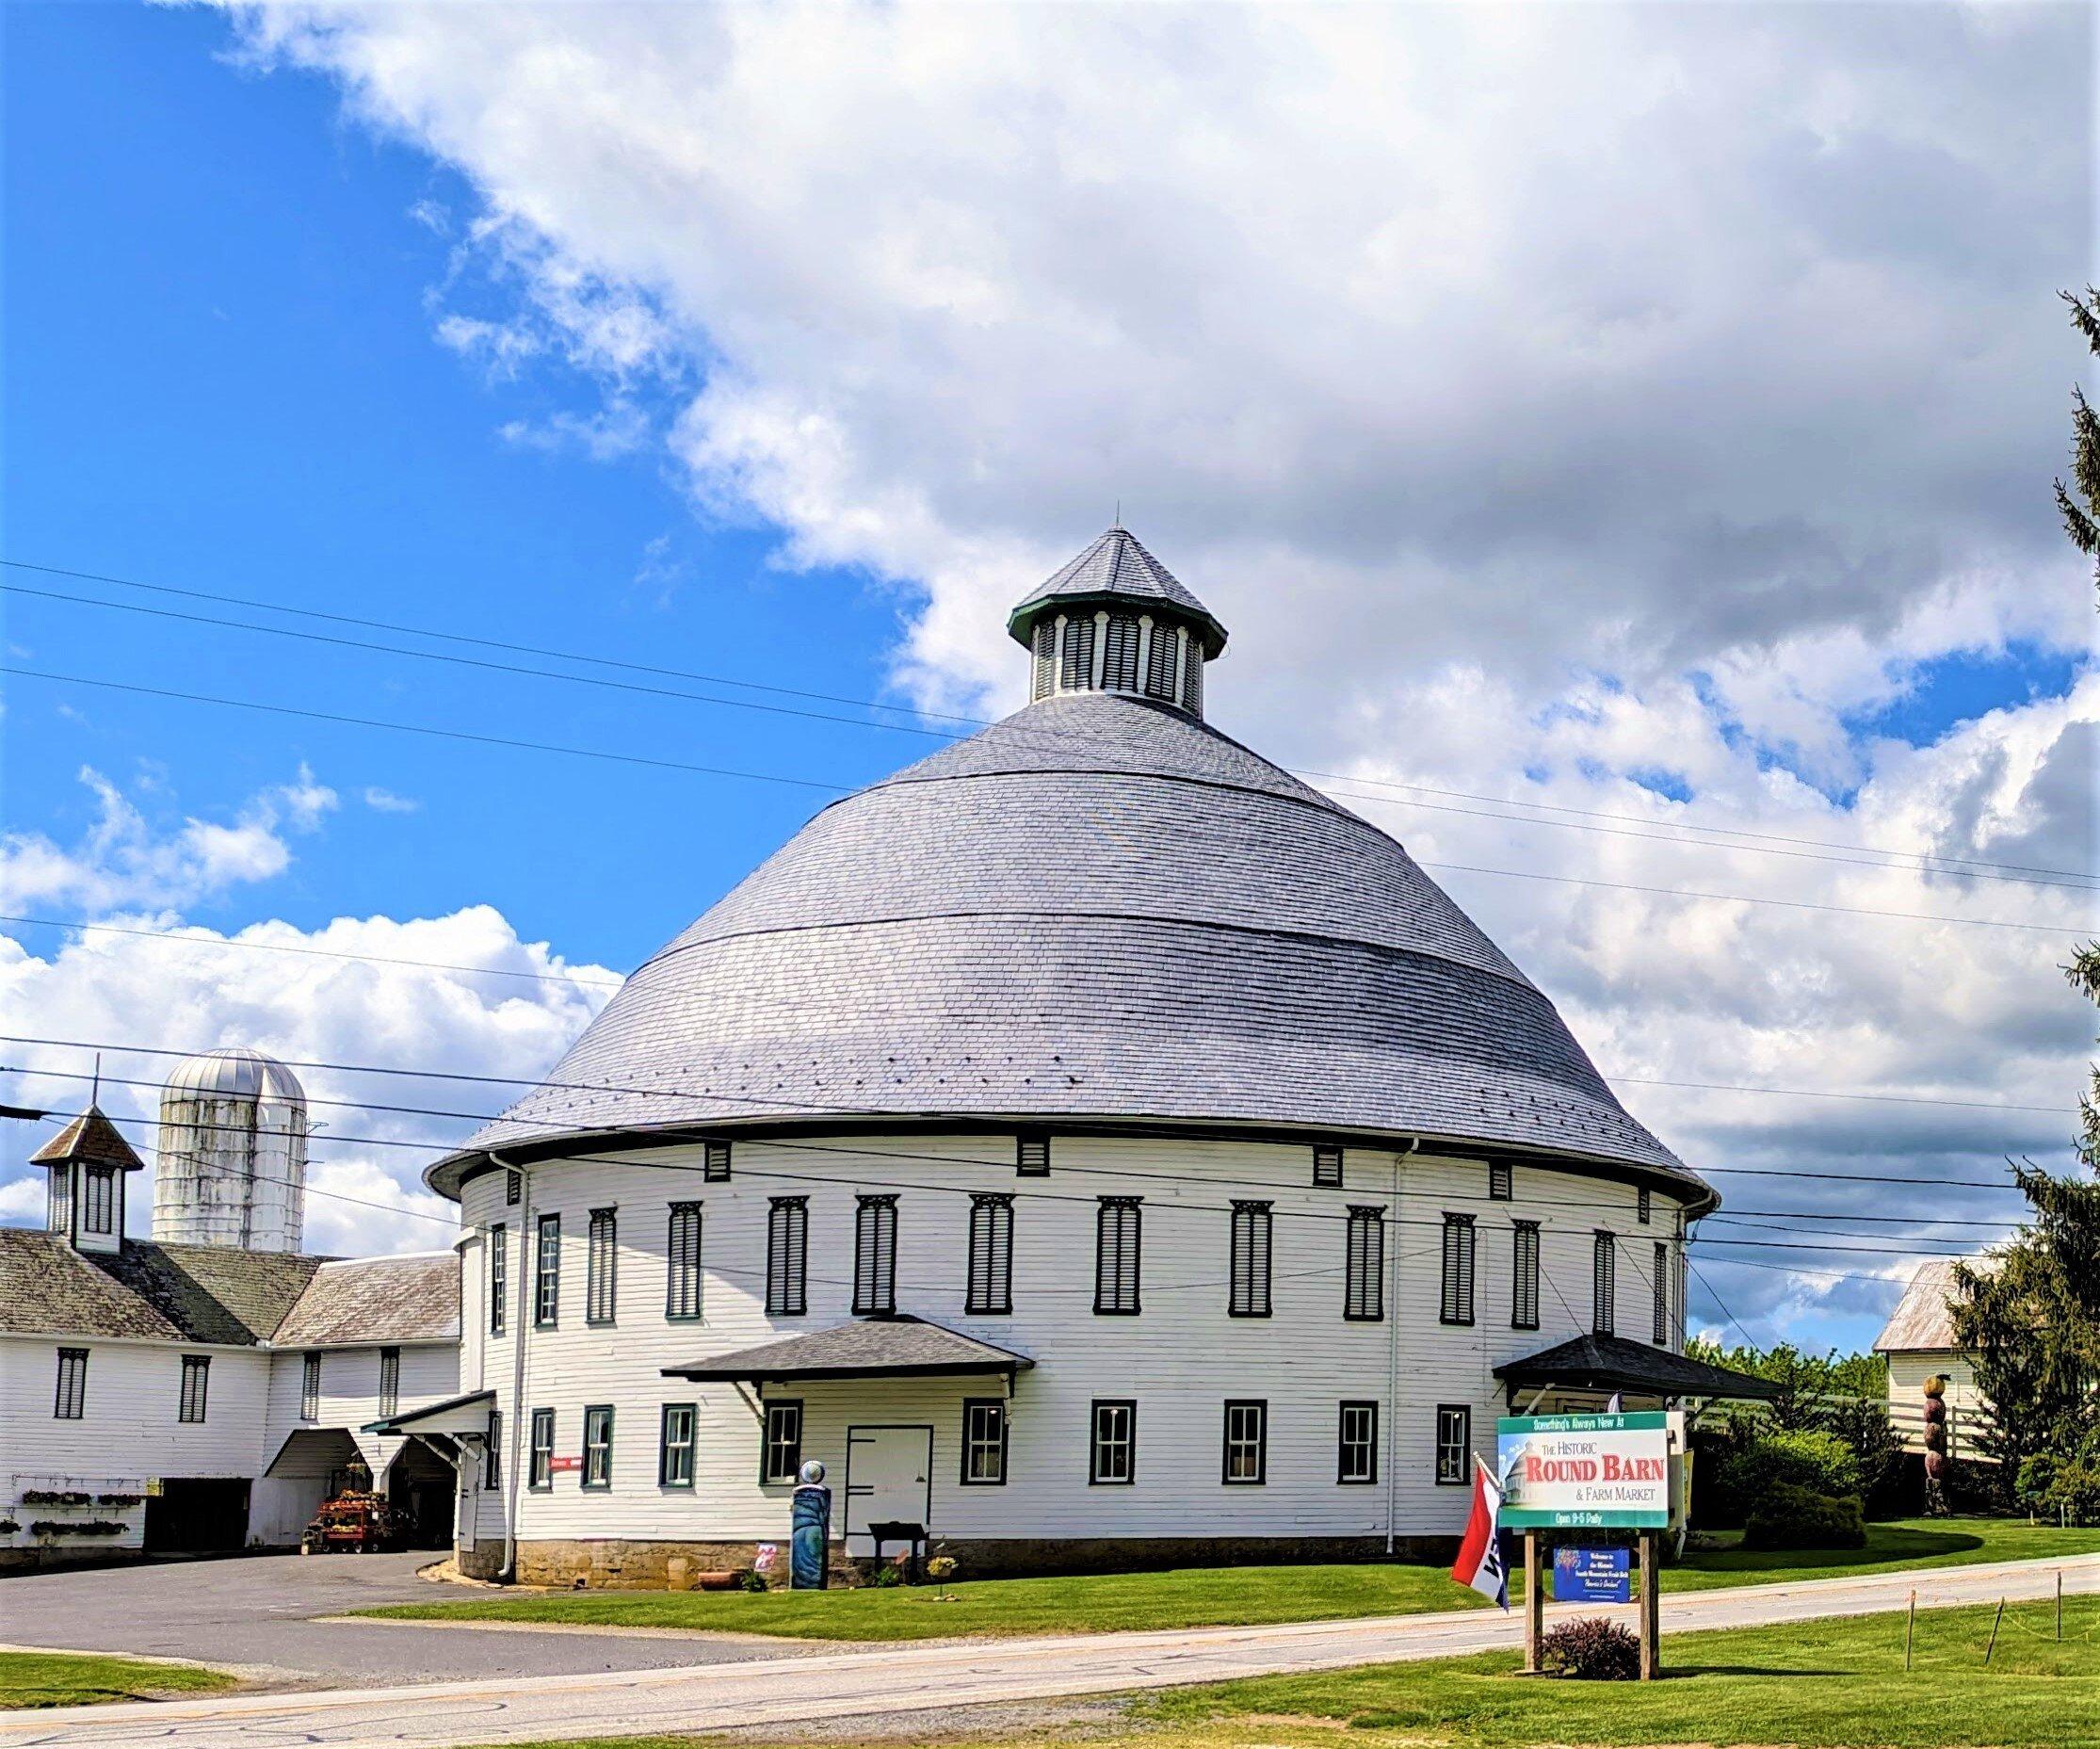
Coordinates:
1479 1562
1617 1405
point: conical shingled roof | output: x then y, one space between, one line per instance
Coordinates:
1116 568
90 1137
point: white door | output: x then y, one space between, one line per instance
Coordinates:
888 1479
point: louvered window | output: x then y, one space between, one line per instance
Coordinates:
310 1388
674 1452
682 1262
491 1453
597 1446
1113 1461
1454 1445
1119 656
1356 1457
71 1402
1661 1288
1524 1277
1364 1290
102 1200
546 1284
1031 1155
1046 659
1192 680
1115 1257
197 1373
1683 1287
541 1474
514 1188
1254 1227
875 1256
1501 1183
602 1267
1603 1285
1327 1165
1077 676
1246 1442
1458 1270
1645 1206
389 1380
499 1278
984 1442
782 1461
59 1207
787 1257
991 1284
715 1162
1162 674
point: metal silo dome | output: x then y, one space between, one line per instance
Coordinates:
232 1166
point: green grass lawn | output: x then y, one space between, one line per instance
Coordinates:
1815 1685
82 1678
1205 1596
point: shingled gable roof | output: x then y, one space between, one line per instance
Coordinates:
900 1347
89 1137
212 1294
356 1302
1923 1319
1116 568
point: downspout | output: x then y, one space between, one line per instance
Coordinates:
525 1260
1393 1351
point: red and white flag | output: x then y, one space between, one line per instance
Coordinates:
1480 1561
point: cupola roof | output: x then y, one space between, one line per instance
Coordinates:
92 1138
1117 569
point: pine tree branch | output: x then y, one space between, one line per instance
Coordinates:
2085 315
2084 534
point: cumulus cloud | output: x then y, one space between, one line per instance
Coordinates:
1586 405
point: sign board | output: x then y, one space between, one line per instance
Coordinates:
1593 1576
1567 1471
768 1554
561 1465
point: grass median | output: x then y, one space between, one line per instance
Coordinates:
85 1678
1205 1596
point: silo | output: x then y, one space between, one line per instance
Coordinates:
232 1169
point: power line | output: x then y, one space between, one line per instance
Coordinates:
516 744
1820 849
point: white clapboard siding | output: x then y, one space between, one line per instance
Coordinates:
1180 1358
1967 1412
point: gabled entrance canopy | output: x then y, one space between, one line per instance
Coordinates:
1608 1364
453 1416
899 1347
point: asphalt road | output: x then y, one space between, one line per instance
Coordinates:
255 1614
907 1678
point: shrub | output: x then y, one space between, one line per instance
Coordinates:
2055 1486
887 1575
750 1580
1862 1424
1795 1517
1815 1462
1593 1649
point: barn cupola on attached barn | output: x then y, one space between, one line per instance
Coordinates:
88 1162
1116 620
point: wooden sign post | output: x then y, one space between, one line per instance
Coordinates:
1534 1601
1650 1605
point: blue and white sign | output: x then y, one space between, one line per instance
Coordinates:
1592 1576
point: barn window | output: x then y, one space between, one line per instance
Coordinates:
1458 1270
1046 659
787 1257
499 1277
58 1205
197 1372
71 1403
1364 1288
1247 1442
491 1453
601 1266
1252 1226
1162 678
389 1380
101 1199
1501 1183
1115 1255
1031 1154
1454 1445
875 1256
1661 1287
1112 1461
1356 1454
597 1446
782 1457
1119 656
714 1167
1603 1285
682 1253
514 1188
1645 1206
1327 1164
546 1285
541 1473
1192 680
984 1442
1524 1277
674 1459
310 1388
1077 676
990 1273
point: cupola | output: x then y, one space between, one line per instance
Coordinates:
88 1160
1116 620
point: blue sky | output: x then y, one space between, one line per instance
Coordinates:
1681 457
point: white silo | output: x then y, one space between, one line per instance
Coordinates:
232 1169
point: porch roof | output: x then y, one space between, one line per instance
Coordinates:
898 1347
455 1414
1607 1363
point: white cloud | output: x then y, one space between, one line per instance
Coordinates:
386 802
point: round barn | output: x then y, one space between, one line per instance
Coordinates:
1096 1145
